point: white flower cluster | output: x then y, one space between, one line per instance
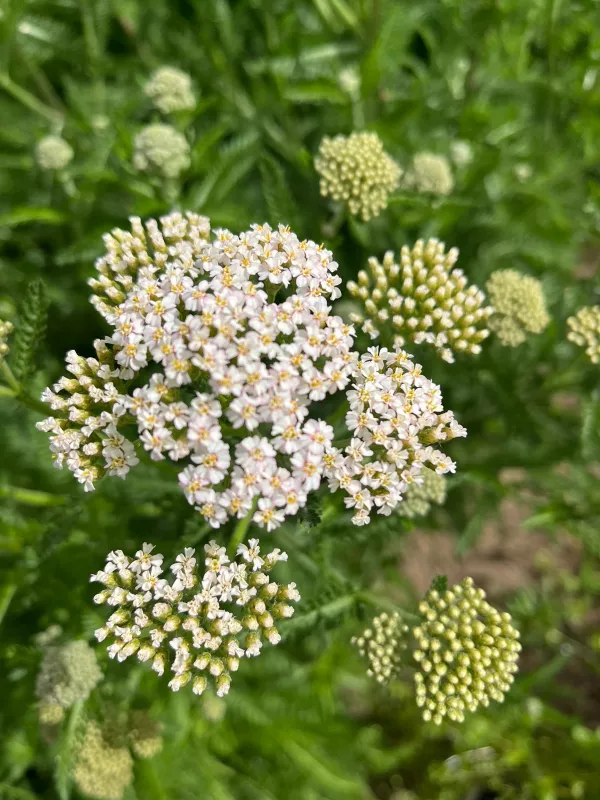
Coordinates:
198 626
230 359
170 89
396 416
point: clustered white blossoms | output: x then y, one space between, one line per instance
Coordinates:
396 416
195 318
197 626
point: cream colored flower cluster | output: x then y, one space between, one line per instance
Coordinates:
197 319
68 674
430 173
199 624
101 768
356 171
419 497
466 652
519 306
161 148
382 644
396 416
53 153
6 328
422 299
585 331
170 89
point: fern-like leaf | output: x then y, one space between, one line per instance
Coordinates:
30 330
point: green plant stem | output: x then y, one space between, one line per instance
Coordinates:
29 100
386 605
17 391
7 593
240 531
31 497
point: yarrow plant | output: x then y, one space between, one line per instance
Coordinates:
584 330
6 328
170 90
430 173
465 651
356 171
396 417
196 324
426 299
53 153
199 624
68 674
419 497
519 306
163 149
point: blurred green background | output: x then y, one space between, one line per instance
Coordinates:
509 93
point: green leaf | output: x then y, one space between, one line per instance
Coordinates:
21 216
278 198
30 330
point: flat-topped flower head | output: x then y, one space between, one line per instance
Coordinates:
225 374
420 497
466 652
163 149
382 644
53 153
519 306
422 298
68 674
430 173
395 419
170 90
356 171
101 769
585 331
198 624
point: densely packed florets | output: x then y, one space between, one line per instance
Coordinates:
357 171
519 306
53 153
466 652
198 627
214 357
395 416
419 497
170 89
6 329
430 173
382 644
68 674
144 734
585 331
101 769
425 298
161 148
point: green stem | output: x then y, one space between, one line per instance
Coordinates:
240 531
381 602
31 497
10 378
147 781
6 595
29 100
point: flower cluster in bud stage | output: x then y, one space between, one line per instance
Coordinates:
429 173
6 328
425 298
356 171
170 89
195 322
396 416
196 627
519 306
101 768
68 674
161 148
144 734
585 331
466 652
382 644
419 497
53 153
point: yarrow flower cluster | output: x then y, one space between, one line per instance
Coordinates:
430 173
170 89
53 153
519 306
144 734
382 644
357 171
426 299
228 358
102 768
585 331
161 148
68 674
396 416
419 497
466 654
6 328
199 627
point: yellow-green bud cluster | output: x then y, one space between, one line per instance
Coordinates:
170 90
356 171
519 306
53 153
101 770
466 653
419 496
382 644
144 734
50 713
430 173
68 674
423 299
6 329
161 148
585 331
